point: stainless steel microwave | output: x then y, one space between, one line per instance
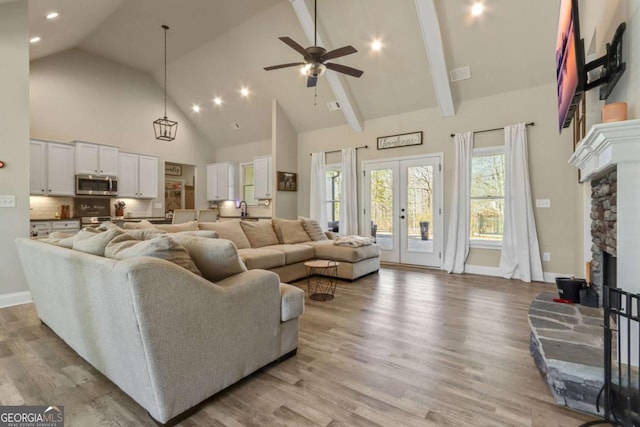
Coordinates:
96 185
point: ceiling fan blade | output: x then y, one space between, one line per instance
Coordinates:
344 69
295 46
276 67
312 81
337 53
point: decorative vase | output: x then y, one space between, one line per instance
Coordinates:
119 212
615 112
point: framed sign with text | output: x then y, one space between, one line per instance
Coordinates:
401 140
172 169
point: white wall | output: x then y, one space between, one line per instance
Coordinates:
242 153
552 177
79 96
14 140
285 159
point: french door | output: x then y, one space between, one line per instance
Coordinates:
403 204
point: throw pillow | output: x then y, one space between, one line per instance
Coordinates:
210 234
144 233
94 243
290 231
174 228
230 230
216 258
313 229
61 238
259 233
163 247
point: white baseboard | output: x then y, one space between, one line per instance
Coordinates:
549 277
16 298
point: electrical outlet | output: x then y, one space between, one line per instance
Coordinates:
546 256
7 201
543 203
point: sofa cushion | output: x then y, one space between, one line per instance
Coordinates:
93 242
174 228
230 230
259 233
161 246
290 231
294 253
313 229
292 303
215 258
136 225
327 250
144 233
261 258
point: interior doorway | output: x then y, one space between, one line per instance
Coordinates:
403 201
179 186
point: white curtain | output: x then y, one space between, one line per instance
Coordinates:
520 255
318 196
459 217
349 194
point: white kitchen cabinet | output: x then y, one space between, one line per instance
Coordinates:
221 181
137 176
262 178
44 228
96 159
51 169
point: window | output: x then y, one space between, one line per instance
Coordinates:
246 184
487 196
333 174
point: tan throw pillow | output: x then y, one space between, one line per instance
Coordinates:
94 243
144 233
60 238
290 231
137 225
313 229
174 228
259 233
106 225
216 258
210 234
163 247
230 230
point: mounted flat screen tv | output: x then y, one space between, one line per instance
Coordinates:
569 62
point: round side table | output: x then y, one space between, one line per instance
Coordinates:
321 279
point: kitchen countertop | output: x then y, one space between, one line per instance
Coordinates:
53 219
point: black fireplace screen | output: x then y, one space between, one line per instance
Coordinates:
621 390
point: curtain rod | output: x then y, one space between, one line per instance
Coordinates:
337 151
493 130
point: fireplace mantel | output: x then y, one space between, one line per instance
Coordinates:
606 145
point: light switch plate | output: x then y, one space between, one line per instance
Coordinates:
7 201
543 203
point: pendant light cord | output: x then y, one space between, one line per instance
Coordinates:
315 23
165 27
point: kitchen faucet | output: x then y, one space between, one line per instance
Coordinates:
243 209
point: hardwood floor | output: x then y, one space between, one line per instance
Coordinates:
405 347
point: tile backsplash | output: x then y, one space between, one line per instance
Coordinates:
43 207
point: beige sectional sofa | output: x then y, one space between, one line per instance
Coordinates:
170 319
283 246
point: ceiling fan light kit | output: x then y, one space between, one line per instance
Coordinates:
316 57
164 128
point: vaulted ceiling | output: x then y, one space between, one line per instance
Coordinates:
217 46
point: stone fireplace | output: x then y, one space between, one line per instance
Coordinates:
603 216
609 158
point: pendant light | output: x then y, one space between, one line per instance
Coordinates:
164 128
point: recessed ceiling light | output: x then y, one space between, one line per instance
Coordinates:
376 45
477 9
217 100
195 108
35 39
244 91
52 15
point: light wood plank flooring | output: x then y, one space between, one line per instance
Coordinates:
405 347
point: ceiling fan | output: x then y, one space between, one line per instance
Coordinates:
316 57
